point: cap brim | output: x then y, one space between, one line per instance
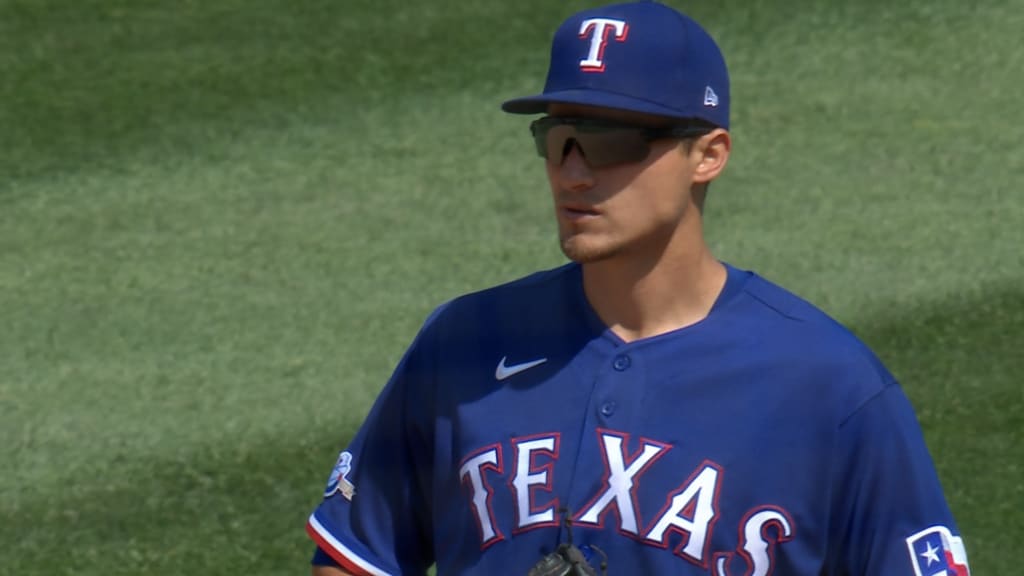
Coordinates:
539 104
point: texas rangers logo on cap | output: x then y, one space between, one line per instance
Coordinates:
598 30
936 552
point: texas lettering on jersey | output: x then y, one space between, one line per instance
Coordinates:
690 510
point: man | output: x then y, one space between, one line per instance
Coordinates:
644 407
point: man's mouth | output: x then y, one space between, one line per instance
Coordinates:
578 211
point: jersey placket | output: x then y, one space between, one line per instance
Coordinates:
605 443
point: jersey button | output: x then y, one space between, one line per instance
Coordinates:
621 362
608 408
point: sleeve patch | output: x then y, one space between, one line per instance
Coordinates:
338 482
936 551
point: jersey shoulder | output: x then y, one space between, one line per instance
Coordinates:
529 294
794 331
536 306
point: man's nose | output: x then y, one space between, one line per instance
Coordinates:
574 173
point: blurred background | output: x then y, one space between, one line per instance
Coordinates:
221 223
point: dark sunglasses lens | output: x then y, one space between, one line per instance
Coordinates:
540 129
601 145
617 146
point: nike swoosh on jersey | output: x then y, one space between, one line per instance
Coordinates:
502 371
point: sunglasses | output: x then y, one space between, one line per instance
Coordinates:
603 142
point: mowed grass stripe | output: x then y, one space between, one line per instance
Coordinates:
92 84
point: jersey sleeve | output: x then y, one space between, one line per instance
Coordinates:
890 515
375 515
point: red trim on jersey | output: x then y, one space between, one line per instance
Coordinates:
336 555
720 563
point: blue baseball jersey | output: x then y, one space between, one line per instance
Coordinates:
764 439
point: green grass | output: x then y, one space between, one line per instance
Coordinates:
221 222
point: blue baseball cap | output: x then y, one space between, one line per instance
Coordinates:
638 56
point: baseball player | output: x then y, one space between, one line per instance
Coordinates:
644 408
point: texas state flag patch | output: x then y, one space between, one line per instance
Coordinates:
936 552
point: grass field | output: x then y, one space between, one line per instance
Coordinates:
221 222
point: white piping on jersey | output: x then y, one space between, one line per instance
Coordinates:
343 550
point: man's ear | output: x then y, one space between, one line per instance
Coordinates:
713 149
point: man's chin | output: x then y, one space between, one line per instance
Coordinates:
585 252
